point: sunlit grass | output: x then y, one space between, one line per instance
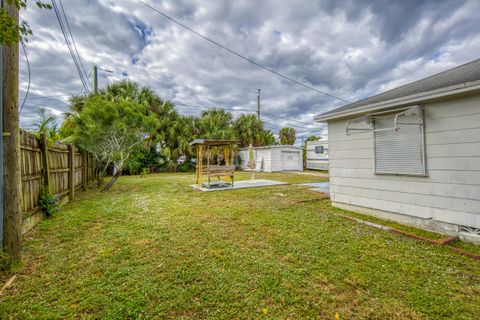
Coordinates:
155 248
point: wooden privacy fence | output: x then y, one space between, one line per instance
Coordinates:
63 168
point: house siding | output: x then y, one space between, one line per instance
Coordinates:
449 196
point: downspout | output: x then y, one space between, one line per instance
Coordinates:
1 140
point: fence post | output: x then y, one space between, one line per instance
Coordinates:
84 171
46 166
71 171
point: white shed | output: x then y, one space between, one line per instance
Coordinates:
412 154
275 158
317 155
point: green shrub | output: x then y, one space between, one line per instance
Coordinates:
144 172
183 167
238 161
48 203
143 158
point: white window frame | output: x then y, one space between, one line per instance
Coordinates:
322 149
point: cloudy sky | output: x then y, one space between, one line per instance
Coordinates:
350 49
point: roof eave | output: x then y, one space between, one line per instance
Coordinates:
411 99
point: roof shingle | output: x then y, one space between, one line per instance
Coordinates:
464 73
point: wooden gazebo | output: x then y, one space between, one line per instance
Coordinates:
204 148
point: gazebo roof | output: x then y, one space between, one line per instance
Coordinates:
207 142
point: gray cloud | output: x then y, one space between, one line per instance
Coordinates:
351 49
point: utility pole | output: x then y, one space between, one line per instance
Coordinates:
95 79
1 141
12 189
258 105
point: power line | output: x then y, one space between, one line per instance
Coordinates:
73 39
239 55
29 77
279 117
250 111
54 96
286 119
67 41
245 110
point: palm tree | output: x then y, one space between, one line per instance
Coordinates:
46 124
215 124
287 136
268 138
249 130
177 137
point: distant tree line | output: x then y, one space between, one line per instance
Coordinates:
130 129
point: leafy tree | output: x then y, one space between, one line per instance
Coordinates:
313 138
143 159
67 128
111 130
249 130
121 90
287 136
10 31
77 102
172 132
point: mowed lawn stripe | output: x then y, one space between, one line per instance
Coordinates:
154 248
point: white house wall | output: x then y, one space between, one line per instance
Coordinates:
451 192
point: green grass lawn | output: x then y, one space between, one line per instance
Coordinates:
154 248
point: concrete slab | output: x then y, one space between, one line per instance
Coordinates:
242 184
318 186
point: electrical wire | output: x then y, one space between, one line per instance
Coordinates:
54 96
29 77
73 40
250 111
90 73
279 117
67 41
241 56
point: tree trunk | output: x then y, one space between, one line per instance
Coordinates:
11 150
114 178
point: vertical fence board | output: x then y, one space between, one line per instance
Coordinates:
84 171
71 172
45 165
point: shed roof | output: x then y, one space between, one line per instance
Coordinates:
460 77
274 146
208 142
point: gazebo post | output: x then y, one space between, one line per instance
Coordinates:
204 147
199 165
226 155
207 148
